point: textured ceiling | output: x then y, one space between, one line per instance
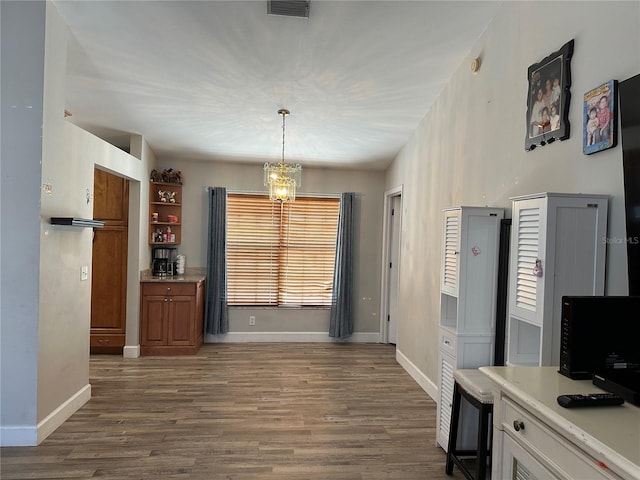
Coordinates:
205 79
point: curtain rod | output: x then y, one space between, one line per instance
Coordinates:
306 194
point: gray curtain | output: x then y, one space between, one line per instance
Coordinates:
216 318
341 319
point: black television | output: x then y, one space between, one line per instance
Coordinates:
599 333
629 97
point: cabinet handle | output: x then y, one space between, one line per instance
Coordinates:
447 342
518 425
171 299
168 289
166 299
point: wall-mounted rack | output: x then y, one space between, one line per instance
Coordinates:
77 222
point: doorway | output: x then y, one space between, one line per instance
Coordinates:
391 265
109 263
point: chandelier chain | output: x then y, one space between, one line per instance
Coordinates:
284 114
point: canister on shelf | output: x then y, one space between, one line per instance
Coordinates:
181 261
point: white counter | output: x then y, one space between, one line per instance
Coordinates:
608 435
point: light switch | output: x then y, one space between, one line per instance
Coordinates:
84 272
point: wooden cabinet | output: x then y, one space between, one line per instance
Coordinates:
171 317
165 213
557 248
109 263
468 284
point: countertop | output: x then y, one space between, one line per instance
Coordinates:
610 434
193 275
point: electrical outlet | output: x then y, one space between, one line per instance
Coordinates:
252 320
84 272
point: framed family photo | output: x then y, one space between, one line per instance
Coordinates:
599 130
548 98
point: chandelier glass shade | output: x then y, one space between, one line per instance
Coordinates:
282 178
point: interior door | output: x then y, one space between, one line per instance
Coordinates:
109 263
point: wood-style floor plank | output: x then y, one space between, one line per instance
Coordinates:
244 412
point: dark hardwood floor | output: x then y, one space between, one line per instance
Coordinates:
245 412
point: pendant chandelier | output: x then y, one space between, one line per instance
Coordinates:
282 178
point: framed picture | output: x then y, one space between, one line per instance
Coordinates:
599 126
548 98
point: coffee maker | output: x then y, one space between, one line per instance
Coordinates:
163 261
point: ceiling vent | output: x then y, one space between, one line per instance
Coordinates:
289 8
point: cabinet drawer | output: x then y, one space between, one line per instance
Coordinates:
97 340
175 288
548 446
447 342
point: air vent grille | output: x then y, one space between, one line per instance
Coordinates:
289 8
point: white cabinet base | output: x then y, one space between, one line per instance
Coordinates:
535 438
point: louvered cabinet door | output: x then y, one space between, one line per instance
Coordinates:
557 250
451 253
528 245
447 366
518 464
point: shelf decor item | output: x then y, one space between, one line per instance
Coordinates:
168 175
548 98
599 130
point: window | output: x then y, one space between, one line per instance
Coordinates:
280 254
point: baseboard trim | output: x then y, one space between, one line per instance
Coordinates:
284 337
23 436
131 352
31 436
56 418
421 379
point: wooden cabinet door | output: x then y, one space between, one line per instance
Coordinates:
154 320
109 261
182 311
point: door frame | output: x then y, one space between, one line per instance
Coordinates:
389 195
134 256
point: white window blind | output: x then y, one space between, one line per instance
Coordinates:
280 254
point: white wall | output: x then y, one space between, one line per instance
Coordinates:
89 150
293 324
46 308
469 148
22 56
65 300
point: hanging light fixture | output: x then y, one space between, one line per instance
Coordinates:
281 178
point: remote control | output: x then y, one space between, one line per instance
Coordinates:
589 400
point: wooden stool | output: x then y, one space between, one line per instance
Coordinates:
474 386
